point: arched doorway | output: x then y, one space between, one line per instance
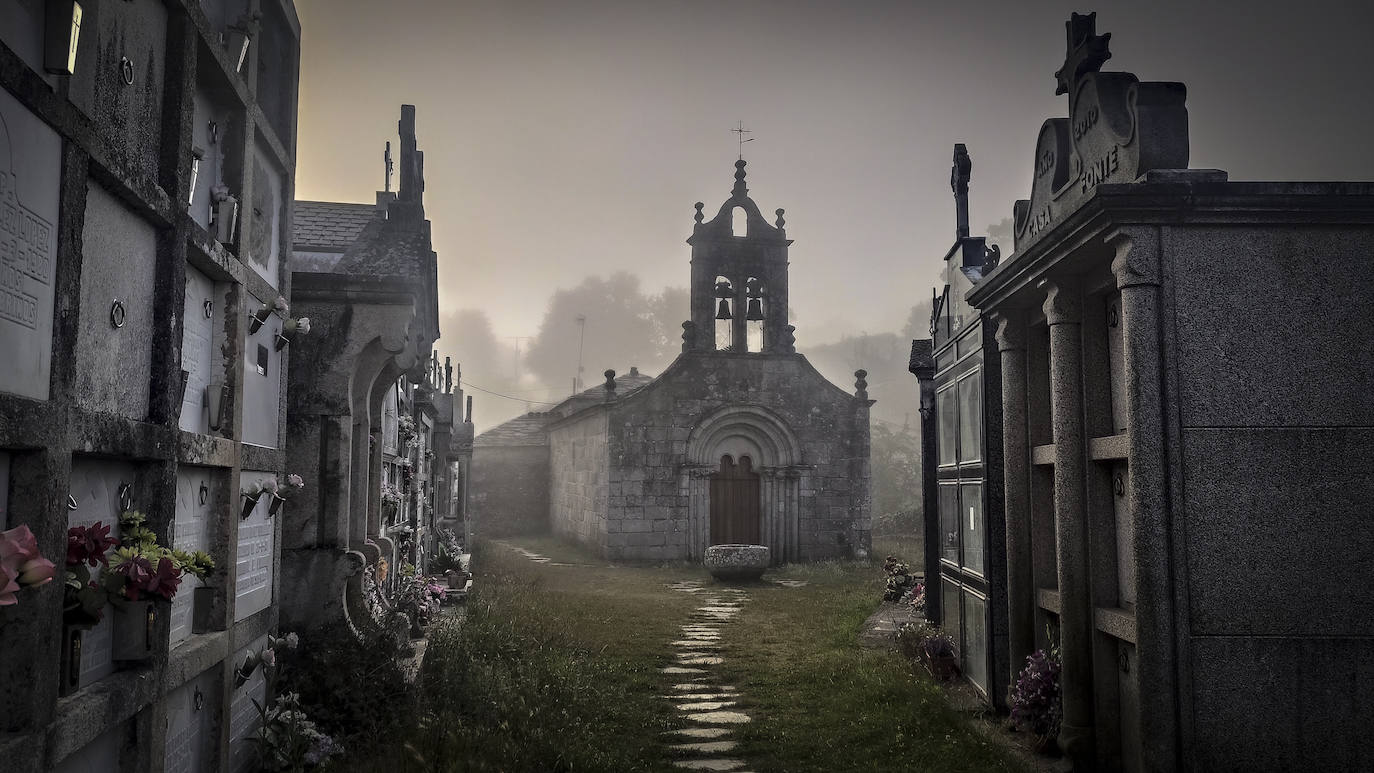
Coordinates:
735 514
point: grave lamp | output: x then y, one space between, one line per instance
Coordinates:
216 395
723 312
61 31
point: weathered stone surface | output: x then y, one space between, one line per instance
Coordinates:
704 705
702 732
682 670
705 747
720 718
509 485
709 764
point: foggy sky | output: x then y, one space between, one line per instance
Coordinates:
566 138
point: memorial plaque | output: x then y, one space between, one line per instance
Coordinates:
265 230
30 171
1118 128
96 756
192 533
243 715
262 382
198 349
95 485
188 725
253 566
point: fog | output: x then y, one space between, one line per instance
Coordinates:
569 141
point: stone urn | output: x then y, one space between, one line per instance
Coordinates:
736 562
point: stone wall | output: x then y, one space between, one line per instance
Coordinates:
579 478
509 491
1274 366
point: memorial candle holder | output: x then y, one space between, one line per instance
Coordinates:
133 630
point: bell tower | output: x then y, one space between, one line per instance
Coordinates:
739 279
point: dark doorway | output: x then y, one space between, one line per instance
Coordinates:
735 503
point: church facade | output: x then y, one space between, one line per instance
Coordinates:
739 440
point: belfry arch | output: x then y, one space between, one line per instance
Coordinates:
774 454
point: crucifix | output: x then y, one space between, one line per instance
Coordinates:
741 131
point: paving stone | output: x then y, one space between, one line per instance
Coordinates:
681 670
702 696
701 660
699 644
702 732
709 764
704 706
705 747
719 608
720 718
693 685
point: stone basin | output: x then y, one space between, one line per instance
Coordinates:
736 562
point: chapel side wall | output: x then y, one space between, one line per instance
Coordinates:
579 479
652 429
1274 366
509 491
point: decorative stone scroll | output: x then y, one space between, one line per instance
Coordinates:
1117 130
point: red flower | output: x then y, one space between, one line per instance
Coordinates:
89 544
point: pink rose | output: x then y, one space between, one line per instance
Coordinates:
269 657
8 585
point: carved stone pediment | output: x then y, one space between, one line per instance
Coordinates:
1117 130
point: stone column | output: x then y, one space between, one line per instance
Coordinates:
1137 269
1011 343
1063 312
698 511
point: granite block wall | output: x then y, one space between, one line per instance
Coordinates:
579 478
509 491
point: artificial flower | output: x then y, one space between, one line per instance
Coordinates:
269 485
89 544
9 586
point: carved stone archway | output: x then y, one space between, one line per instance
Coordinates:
760 434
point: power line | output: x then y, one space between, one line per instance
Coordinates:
471 385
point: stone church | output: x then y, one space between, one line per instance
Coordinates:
739 440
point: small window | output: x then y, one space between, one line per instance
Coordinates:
970 417
948 416
949 523
739 222
725 314
262 360
753 314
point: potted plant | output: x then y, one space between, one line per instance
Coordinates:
941 655
391 503
225 211
143 577
199 564
899 579
1035 699
83 599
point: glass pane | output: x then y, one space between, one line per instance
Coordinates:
971 417
971 525
949 608
949 523
974 650
949 424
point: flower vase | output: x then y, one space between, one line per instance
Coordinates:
455 580
277 501
280 342
256 321
133 630
202 605
249 502
226 213
71 659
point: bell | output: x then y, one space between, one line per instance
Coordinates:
755 311
724 311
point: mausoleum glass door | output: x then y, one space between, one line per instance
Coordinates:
735 512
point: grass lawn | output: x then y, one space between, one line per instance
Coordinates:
557 668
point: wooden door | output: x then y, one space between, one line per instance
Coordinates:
735 517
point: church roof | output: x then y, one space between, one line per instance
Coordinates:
329 225
527 430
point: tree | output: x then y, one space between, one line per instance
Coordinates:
895 462
466 335
620 326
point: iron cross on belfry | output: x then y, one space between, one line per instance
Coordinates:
741 131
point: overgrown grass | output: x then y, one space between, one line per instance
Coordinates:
823 703
556 668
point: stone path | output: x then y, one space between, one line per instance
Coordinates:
710 708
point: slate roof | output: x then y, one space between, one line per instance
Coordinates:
527 430
329 224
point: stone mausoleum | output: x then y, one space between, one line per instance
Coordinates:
739 440
1185 369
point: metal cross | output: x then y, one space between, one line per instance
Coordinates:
741 131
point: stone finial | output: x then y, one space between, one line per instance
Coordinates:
861 384
634 371
959 175
739 191
780 222
699 217
469 414
689 335
610 384
1085 51
448 375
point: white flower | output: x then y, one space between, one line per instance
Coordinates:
280 305
303 325
270 485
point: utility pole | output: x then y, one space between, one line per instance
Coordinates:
581 336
